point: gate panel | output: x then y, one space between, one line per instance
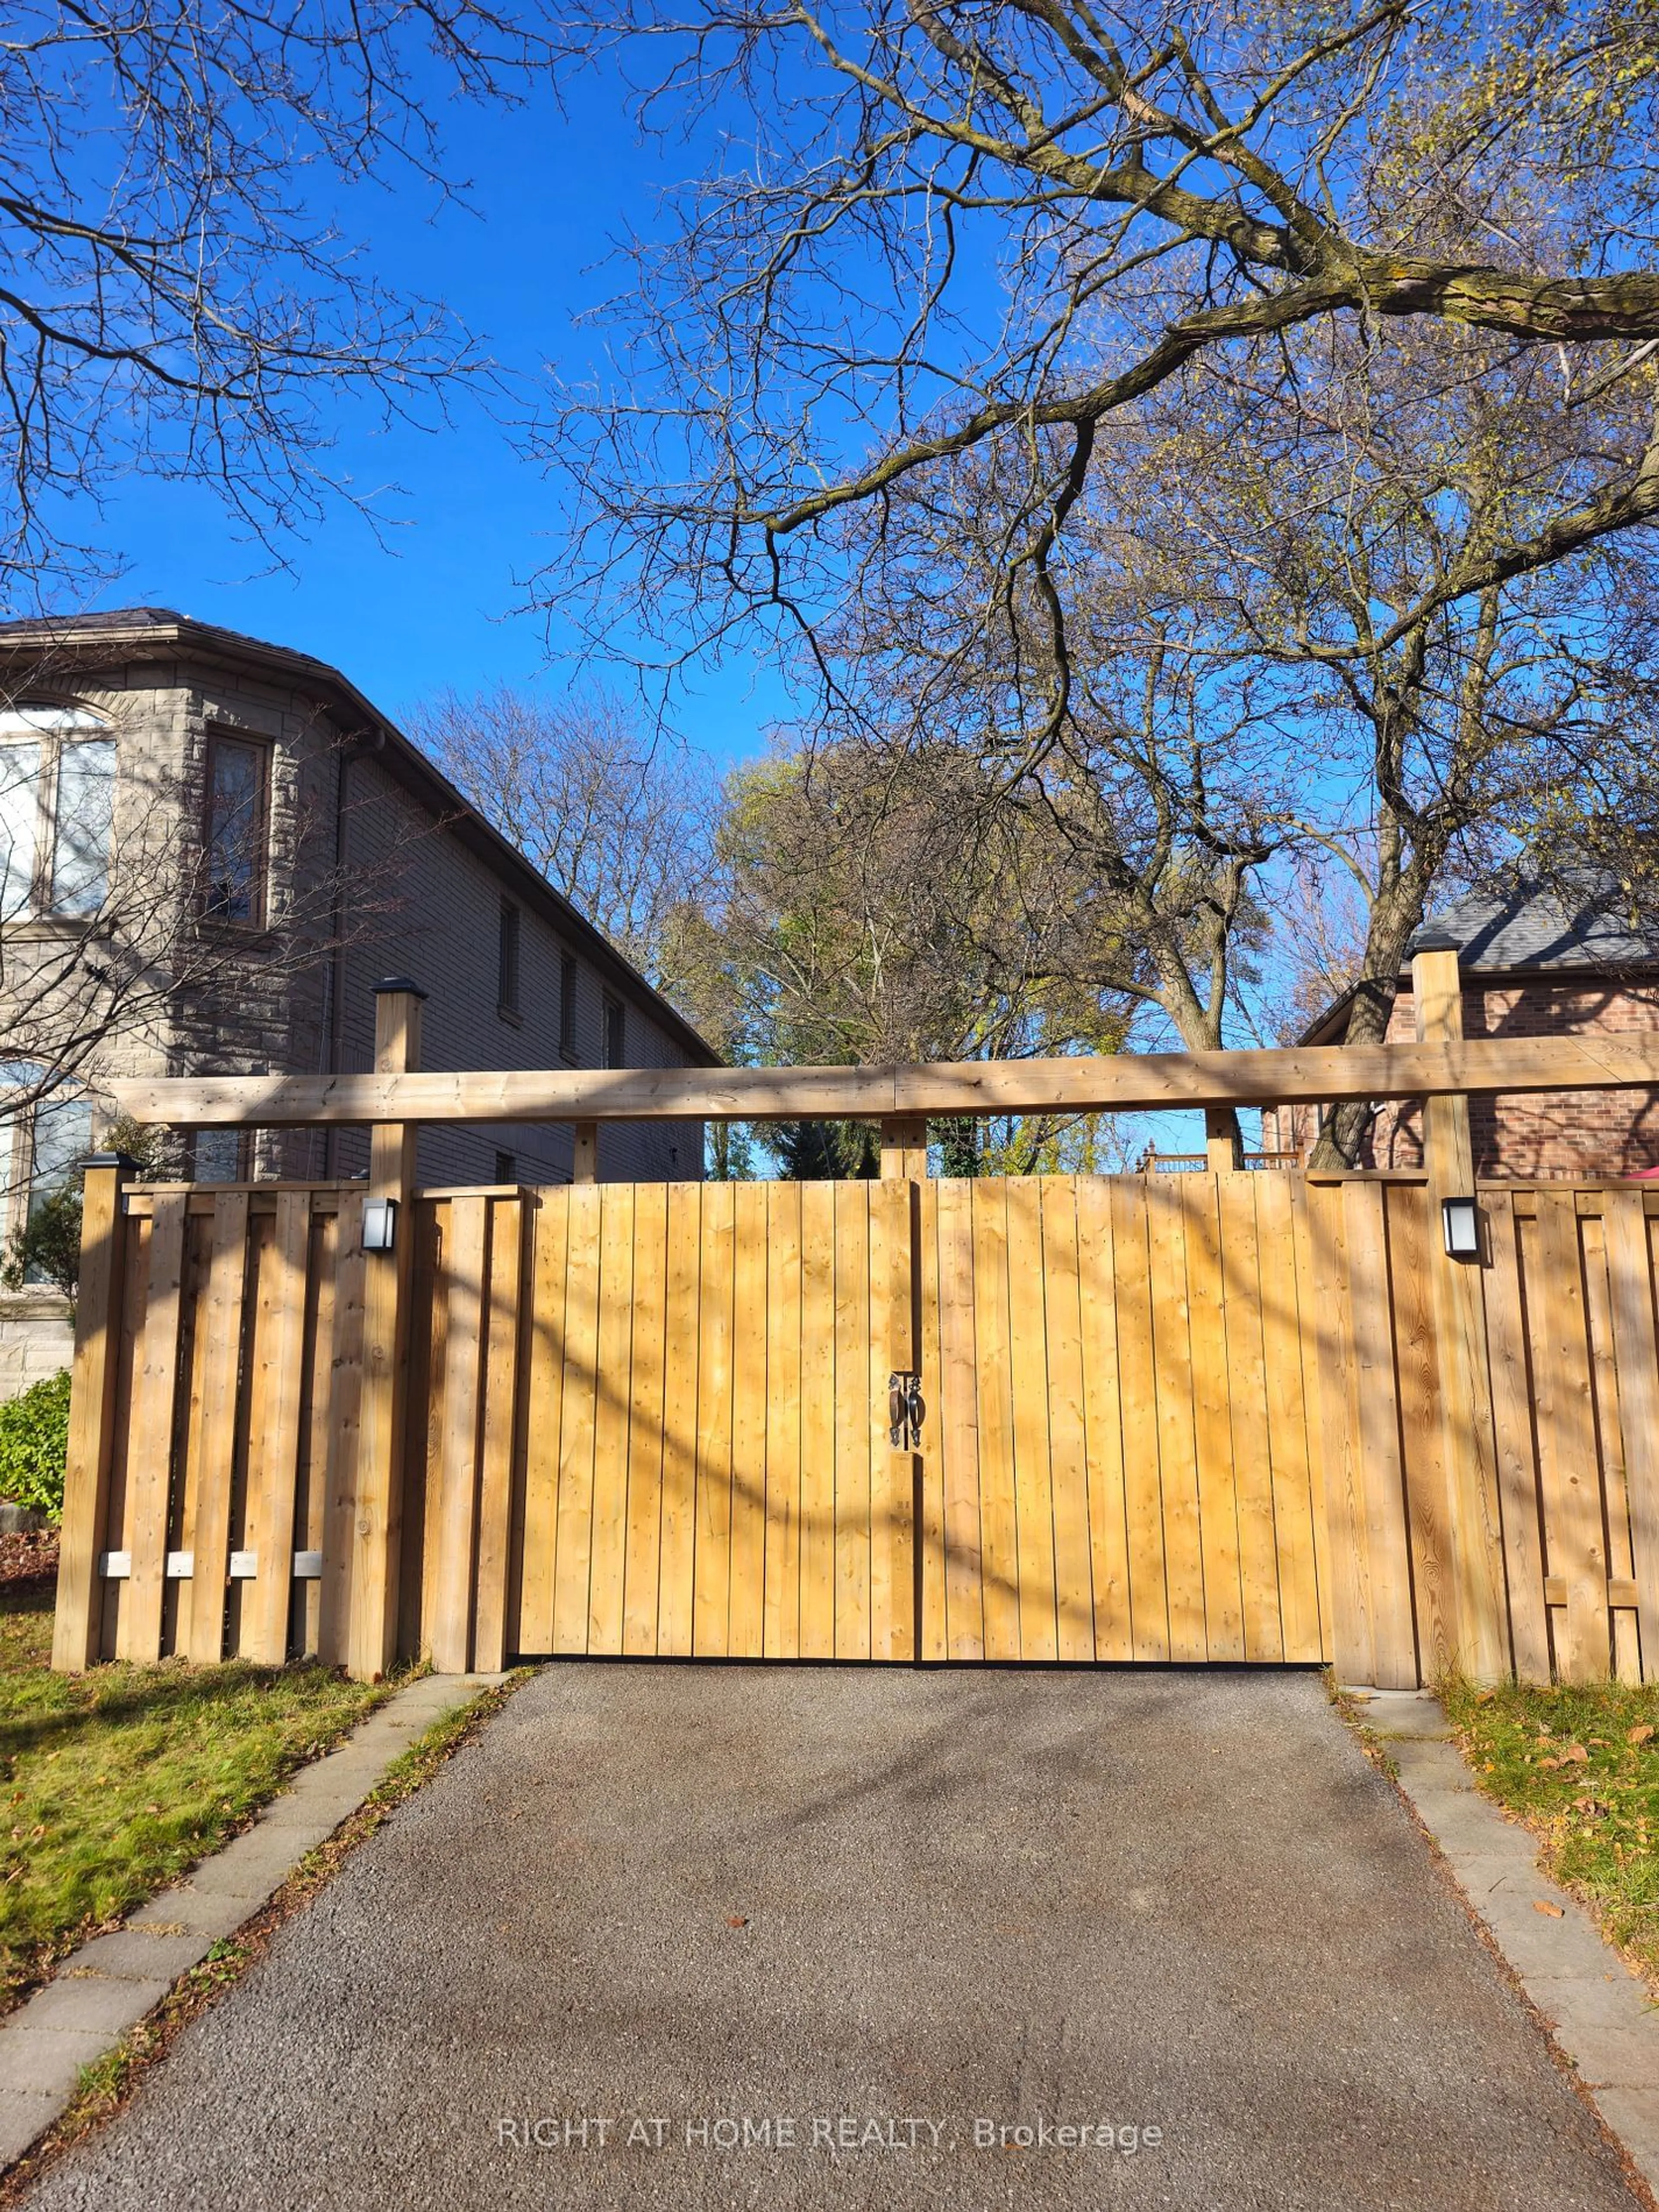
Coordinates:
712 1551
750 1268
1108 1431
1247 1399
706 1469
1177 1448
612 1416
1063 1331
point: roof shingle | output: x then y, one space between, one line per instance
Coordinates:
1535 927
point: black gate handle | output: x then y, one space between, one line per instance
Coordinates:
905 1409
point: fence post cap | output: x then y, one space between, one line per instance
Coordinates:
124 1161
1434 940
388 983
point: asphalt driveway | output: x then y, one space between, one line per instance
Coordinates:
806 1937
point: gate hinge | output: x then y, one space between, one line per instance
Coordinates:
905 1409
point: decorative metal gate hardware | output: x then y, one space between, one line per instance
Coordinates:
905 1409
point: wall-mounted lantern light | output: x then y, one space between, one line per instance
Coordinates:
380 1224
1461 1222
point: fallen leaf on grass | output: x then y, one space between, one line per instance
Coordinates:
1641 1733
1576 1755
1543 1904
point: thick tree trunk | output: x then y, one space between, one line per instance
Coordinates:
1395 914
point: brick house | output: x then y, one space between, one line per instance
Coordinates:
210 848
1534 964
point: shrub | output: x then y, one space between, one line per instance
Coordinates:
33 1445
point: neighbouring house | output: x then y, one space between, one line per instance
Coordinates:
1534 962
210 848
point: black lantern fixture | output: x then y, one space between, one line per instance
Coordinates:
1460 1219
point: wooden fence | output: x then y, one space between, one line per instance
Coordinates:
213 1517
1532 1500
1223 1416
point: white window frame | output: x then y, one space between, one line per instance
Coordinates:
51 725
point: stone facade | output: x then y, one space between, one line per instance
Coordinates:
36 1339
371 864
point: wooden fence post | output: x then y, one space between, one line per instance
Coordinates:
903 1148
1224 1149
1482 1648
585 1152
378 1526
77 1626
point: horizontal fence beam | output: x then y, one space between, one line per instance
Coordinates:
1125 1083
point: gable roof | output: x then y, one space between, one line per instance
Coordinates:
1567 929
1538 929
137 634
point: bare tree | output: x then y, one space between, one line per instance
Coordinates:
619 820
948 247
177 296
1272 658
1322 540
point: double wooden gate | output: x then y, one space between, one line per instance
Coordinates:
1199 1417
1113 1459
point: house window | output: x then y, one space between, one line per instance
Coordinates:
615 1055
506 961
84 814
238 779
506 1167
20 827
57 808
567 1007
61 1138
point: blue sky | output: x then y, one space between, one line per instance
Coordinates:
430 603
433 606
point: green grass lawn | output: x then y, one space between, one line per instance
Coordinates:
1580 1768
113 1782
